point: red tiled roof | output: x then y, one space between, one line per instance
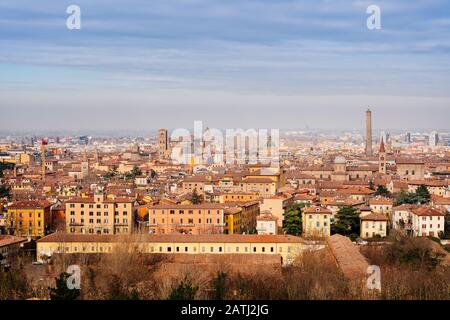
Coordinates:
210 238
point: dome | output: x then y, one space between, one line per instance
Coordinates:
340 160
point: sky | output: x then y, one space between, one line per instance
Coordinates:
287 64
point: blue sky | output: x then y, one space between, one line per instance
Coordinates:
232 63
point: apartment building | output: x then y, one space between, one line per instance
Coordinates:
316 221
277 205
418 221
99 215
29 218
427 221
205 218
373 224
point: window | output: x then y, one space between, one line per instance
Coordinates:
172 212
271 249
254 249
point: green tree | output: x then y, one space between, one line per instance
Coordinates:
195 198
184 291
5 192
292 222
219 286
136 171
405 198
422 193
61 291
111 173
5 166
347 222
382 191
421 196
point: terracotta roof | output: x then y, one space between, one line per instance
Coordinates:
191 206
317 210
210 238
31 204
106 200
408 161
381 200
426 211
351 262
6 240
374 217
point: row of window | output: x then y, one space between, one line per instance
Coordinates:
91 213
424 226
105 221
191 220
182 211
380 225
21 215
99 231
98 206
181 249
431 218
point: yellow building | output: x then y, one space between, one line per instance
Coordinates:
233 220
237 196
287 247
29 218
374 224
316 221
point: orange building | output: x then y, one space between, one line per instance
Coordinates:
29 218
206 218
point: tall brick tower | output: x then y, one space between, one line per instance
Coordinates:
369 151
